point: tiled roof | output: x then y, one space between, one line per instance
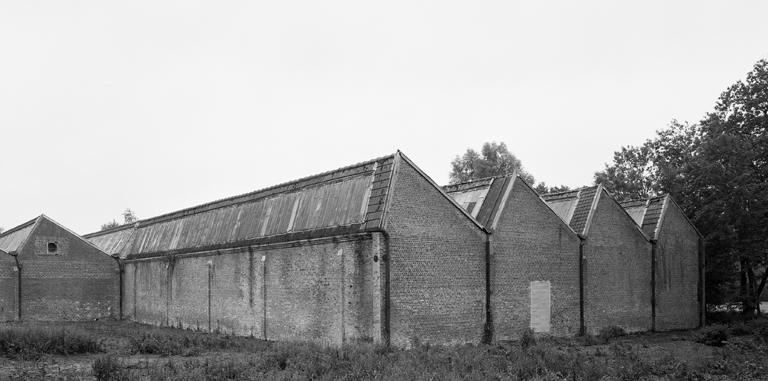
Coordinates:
583 208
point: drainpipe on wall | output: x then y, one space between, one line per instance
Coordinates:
654 243
488 334
702 294
582 327
121 271
385 259
210 265
18 284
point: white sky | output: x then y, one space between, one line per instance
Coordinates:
159 106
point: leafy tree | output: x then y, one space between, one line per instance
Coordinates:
494 159
729 179
129 217
110 225
542 188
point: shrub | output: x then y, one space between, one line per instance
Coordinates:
528 339
713 335
610 332
107 368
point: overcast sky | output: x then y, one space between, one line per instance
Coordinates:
159 106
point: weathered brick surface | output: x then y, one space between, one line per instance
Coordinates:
531 244
617 271
8 290
437 266
322 291
677 273
78 283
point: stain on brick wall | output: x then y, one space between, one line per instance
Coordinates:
437 266
677 273
8 290
617 271
321 291
531 243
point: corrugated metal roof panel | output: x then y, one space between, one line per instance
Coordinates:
338 203
113 241
11 239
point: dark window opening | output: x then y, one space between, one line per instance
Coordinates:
52 248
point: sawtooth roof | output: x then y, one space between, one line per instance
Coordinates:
486 198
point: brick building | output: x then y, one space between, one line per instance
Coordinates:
49 273
616 260
679 262
534 258
374 251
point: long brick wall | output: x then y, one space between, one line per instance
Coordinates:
534 269
437 269
617 271
325 291
677 273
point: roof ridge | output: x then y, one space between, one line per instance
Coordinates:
253 195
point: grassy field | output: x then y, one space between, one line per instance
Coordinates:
127 351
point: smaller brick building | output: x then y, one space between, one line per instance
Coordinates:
534 258
49 273
679 262
616 257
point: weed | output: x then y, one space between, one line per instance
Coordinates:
108 368
714 335
528 339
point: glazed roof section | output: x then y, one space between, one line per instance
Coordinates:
352 197
480 198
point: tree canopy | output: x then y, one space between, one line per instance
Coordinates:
717 171
129 217
494 159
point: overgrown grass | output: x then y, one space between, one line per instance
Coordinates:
294 361
31 344
151 353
